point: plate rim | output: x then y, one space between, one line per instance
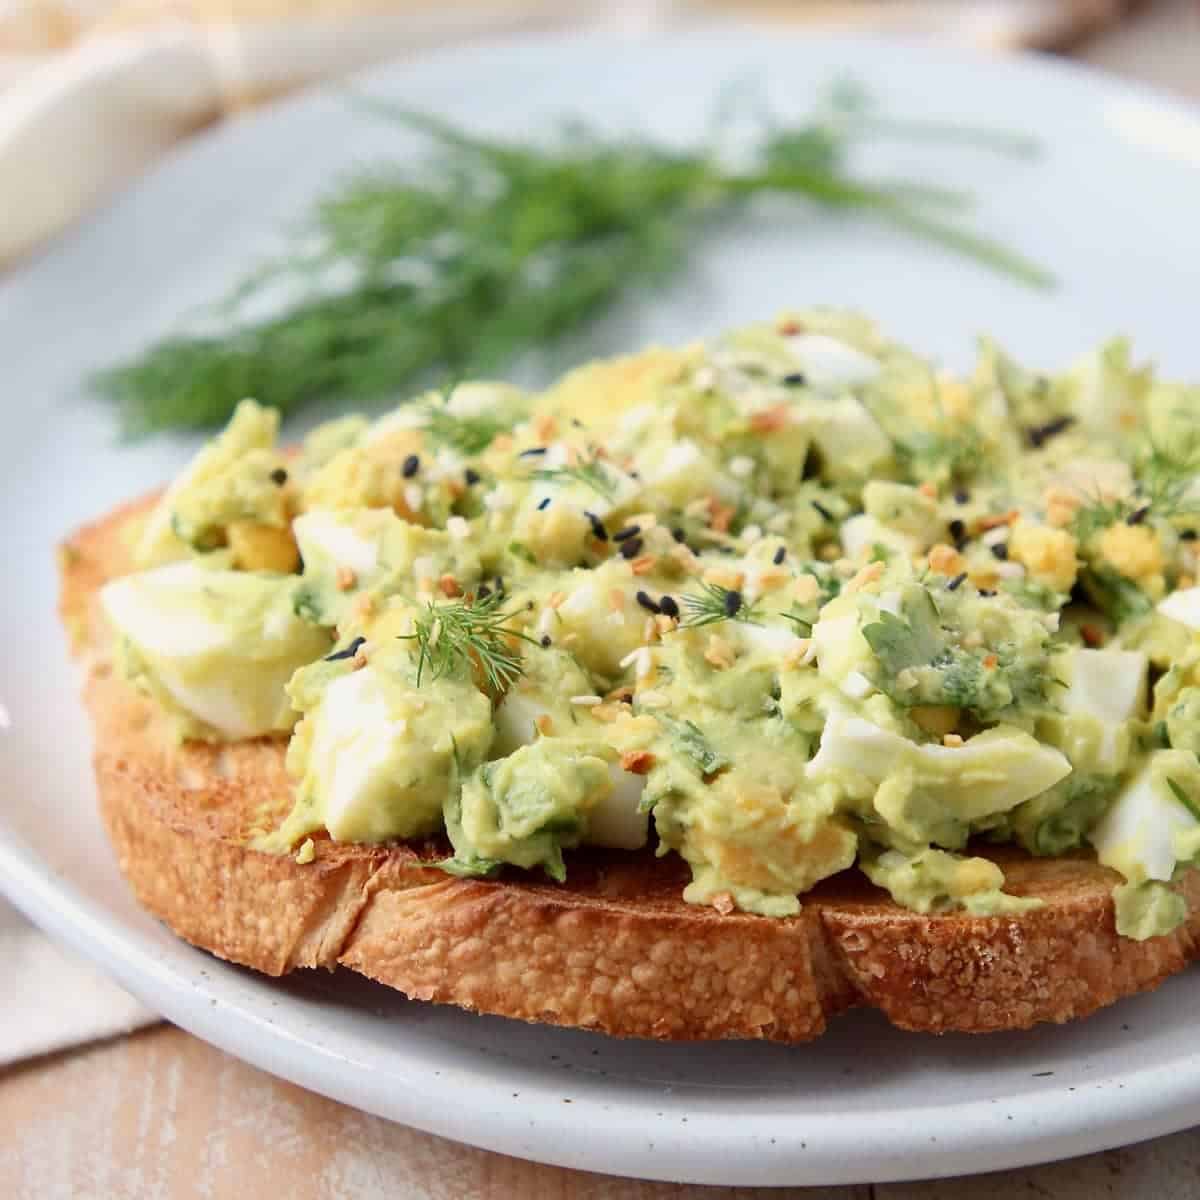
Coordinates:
160 980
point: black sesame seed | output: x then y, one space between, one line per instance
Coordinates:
958 530
779 555
679 535
471 476
544 504
598 530
987 593
629 531
825 513
962 496
795 379
545 641
1041 434
1189 535
668 607
412 464
1138 515
732 602
632 548
956 582
349 652
647 603
279 477
532 452
1000 550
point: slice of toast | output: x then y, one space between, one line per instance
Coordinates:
615 948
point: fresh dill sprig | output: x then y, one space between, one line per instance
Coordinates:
490 248
1168 475
591 474
715 603
469 435
1167 487
1097 515
469 634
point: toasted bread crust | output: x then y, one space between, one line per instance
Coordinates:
615 948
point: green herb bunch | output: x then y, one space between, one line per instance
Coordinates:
490 248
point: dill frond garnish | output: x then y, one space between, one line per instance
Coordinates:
1168 487
489 248
468 435
714 603
469 635
591 474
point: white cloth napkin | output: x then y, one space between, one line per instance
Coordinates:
50 999
75 124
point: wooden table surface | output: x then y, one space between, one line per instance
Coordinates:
163 1115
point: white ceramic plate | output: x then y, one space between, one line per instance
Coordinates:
1112 208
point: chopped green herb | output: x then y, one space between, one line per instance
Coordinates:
1183 798
591 474
715 603
690 740
307 605
468 435
468 635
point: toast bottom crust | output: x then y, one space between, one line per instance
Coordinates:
614 949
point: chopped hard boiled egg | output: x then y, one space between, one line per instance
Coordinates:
989 773
617 821
216 647
829 363
1183 606
378 756
1136 835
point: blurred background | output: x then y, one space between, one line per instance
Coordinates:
91 91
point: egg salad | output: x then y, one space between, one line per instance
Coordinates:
785 604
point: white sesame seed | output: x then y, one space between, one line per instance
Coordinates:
414 497
741 467
751 534
588 701
546 622
498 499
458 527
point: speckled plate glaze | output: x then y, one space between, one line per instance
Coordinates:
1111 208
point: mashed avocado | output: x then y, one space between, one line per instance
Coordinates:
780 604
524 808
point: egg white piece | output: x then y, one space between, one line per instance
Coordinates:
828 362
1107 684
331 535
1183 606
616 821
1135 835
